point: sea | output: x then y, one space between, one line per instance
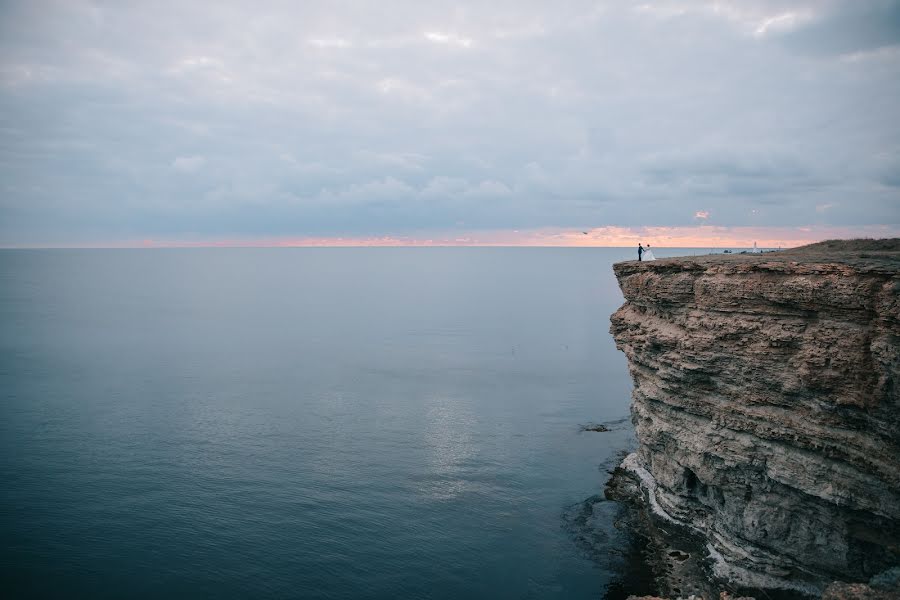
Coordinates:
310 422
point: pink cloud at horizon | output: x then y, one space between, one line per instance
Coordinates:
698 236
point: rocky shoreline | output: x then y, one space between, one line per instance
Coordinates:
675 557
766 406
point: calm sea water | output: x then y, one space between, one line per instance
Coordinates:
309 423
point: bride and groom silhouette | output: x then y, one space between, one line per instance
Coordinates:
645 253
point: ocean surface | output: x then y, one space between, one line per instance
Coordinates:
309 423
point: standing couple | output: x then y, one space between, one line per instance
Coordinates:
645 253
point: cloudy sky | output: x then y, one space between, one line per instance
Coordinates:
482 122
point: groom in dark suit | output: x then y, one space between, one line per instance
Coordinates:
640 251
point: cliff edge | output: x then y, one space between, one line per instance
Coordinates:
766 405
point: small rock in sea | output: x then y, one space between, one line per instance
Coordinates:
594 427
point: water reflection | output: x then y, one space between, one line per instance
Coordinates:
447 434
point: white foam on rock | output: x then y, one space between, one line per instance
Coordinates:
721 567
632 464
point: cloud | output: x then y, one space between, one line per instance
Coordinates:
701 237
401 117
850 27
331 42
448 38
386 190
489 190
783 22
188 164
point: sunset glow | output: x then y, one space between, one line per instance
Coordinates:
701 236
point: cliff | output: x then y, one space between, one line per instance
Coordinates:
766 405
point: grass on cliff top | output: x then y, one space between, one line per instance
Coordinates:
858 245
881 255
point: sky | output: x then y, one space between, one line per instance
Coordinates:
683 123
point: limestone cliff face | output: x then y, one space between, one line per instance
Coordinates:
767 405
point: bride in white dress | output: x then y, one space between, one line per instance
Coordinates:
648 254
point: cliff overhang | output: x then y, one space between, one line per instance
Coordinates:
766 406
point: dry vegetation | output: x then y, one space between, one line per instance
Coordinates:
855 246
881 255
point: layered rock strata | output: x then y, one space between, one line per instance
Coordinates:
766 404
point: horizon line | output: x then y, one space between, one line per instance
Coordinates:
691 237
202 246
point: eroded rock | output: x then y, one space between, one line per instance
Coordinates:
766 404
